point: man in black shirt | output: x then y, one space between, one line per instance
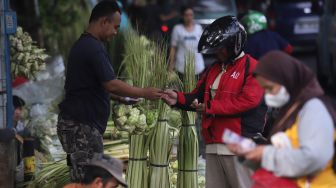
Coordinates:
89 85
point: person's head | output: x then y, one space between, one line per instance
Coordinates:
187 14
285 79
18 104
276 95
104 171
254 21
106 17
225 38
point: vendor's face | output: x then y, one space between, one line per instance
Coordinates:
269 86
110 26
17 114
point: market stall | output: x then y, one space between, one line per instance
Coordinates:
158 144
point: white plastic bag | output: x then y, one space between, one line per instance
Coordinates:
49 84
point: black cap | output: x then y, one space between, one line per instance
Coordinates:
18 102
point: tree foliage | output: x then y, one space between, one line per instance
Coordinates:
62 22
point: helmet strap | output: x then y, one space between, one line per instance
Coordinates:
224 66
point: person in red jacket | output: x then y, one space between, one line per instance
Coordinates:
226 94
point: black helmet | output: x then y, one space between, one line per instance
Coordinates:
225 32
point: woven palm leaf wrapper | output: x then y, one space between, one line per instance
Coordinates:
27 59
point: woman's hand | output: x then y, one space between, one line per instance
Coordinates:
253 155
236 149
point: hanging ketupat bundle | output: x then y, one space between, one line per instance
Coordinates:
187 152
26 58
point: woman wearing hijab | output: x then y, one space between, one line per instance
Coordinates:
303 135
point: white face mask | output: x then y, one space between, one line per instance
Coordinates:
278 100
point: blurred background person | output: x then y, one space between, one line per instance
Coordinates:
185 38
260 40
19 129
303 135
18 104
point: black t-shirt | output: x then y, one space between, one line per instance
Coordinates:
86 100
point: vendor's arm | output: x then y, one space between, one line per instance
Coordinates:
316 138
105 74
120 88
116 97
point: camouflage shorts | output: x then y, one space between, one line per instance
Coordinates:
80 140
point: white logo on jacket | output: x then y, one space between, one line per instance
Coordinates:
235 75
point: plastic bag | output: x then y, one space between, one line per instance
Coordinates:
41 97
38 110
47 87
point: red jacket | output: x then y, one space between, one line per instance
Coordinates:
231 98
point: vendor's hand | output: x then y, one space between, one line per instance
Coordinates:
200 107
255 154
170 97
152 93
